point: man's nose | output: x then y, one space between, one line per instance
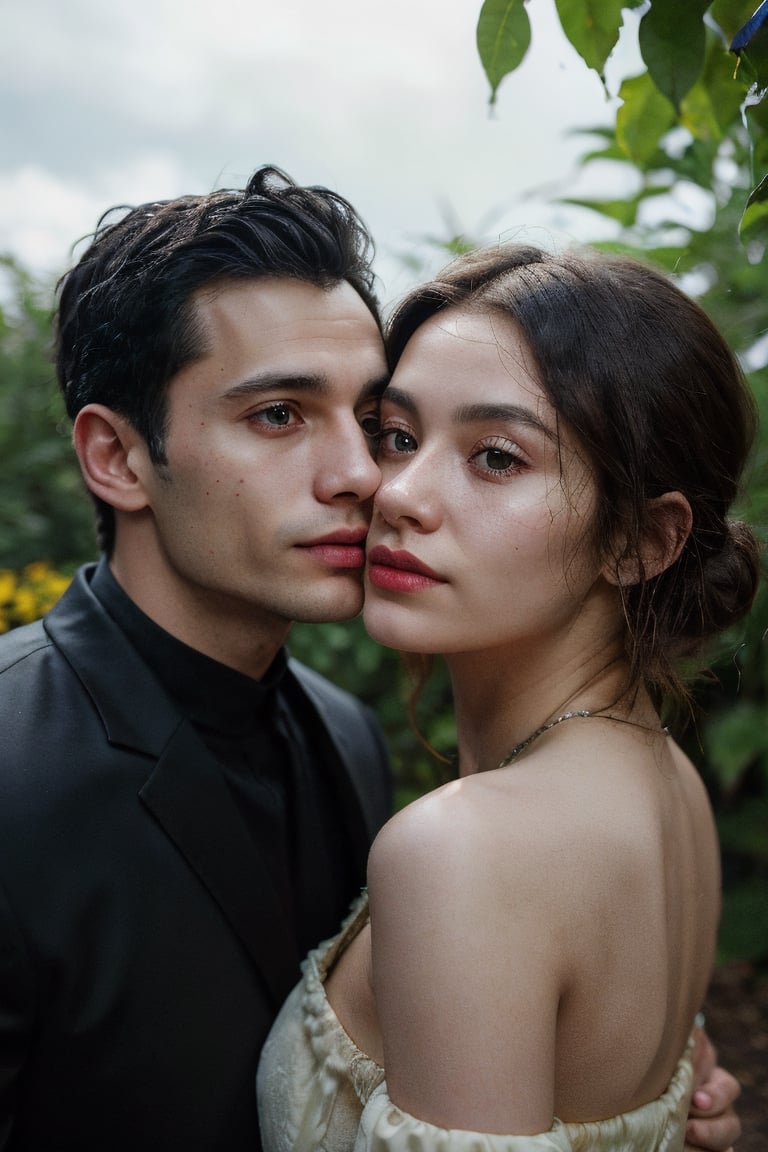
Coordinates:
348 469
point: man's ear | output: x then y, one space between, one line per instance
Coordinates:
108 447
668 526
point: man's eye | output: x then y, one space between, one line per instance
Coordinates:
371 425
275 416
278 414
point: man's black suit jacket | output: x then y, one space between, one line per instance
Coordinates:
140 966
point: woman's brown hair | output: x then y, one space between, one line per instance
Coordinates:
659 404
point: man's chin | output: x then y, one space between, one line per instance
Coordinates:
334 610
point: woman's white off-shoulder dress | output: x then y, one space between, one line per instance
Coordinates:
318 1092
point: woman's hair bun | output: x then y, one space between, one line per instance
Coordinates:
730 578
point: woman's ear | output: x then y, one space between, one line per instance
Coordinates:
668 526
107 446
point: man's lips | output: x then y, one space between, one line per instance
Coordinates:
344 548
399 571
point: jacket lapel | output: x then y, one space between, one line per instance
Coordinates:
189 798
186 793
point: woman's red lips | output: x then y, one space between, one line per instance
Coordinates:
399 571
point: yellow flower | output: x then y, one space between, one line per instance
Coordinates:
25 606
7 585
36 572
28 595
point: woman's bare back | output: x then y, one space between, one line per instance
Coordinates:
542 935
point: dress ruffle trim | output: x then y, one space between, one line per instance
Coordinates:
331 1046
658 1125
384 1127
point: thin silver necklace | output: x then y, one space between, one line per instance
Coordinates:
583 712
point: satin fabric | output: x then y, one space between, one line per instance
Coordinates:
317 1092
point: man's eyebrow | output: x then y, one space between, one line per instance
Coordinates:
271 381
317 385
374 388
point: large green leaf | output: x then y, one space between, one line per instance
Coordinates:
643 118
672 43
593 27
503 38
712 106
754 222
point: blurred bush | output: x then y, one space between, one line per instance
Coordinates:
44 511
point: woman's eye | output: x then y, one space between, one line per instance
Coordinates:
502 461
498 460
396 441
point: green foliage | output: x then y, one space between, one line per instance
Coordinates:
44 514
729 740
706 70
503 38
347 655
672 43
754 222
593 27
643 118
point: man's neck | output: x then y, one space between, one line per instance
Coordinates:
205 621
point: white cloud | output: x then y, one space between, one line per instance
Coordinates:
137 99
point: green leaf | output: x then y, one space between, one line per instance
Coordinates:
756 119
593 27
744 924
623 211
672 44
742 829
503 38
712 106
730 15
733 741
754 222
643 118
753 62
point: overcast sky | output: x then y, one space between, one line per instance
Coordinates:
120 101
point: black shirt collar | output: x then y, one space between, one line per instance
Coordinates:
209 693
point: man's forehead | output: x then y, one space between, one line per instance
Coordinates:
269 334
282 302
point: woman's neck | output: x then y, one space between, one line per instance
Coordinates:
500 700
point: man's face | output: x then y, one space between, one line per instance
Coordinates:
260 515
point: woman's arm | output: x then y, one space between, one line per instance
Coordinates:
449 975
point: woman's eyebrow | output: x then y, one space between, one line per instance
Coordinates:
401 399
513 413
476 413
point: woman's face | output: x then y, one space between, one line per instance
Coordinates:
480 527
